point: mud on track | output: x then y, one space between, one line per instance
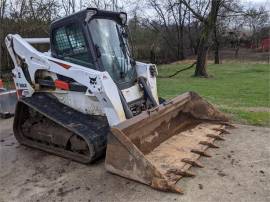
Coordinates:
238 171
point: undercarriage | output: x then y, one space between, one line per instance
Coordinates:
59 129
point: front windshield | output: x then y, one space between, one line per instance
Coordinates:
112 48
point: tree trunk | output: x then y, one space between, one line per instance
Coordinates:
204 43
216 46
1 41
237 47
236 53
182 54
203 48
181 22
192 43
178 45
217 58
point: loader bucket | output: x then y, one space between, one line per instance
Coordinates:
158 146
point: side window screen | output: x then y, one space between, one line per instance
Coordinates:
76 40
61 39
70 45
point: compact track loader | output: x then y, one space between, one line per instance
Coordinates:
87 95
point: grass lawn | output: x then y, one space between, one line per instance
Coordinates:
242 90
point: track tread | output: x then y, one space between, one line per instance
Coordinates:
92 128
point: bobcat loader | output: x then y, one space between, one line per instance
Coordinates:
87 96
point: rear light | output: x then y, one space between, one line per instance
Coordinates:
61 85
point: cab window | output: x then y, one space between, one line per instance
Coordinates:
70 45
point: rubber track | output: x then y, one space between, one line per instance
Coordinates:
93 129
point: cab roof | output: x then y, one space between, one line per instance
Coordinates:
81 15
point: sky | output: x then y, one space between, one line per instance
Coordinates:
247 3
260 1
122 3
128 6
265 3
255 2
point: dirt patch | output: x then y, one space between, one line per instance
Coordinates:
171 153
31 175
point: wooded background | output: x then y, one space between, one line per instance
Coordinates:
160 31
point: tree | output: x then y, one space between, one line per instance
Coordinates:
29 18
69 6
3 5
169 22
179 15
216 45
256 19
209 23
193 33
235 18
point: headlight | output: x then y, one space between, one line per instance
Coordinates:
153 70
90 13
123 17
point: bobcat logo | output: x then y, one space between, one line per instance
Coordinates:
93 81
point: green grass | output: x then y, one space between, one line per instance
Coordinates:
242 90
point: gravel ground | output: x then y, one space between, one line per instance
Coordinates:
238 171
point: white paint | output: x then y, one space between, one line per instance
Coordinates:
133 93
80 102
37 40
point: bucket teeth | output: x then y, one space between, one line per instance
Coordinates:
222 130
163 185
217 137
193 163
174 178
209 144
202 153
180 172
230 125
188 174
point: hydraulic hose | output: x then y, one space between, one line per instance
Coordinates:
147 91
126 108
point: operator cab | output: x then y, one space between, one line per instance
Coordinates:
95 39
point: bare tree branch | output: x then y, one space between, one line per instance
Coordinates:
196 14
